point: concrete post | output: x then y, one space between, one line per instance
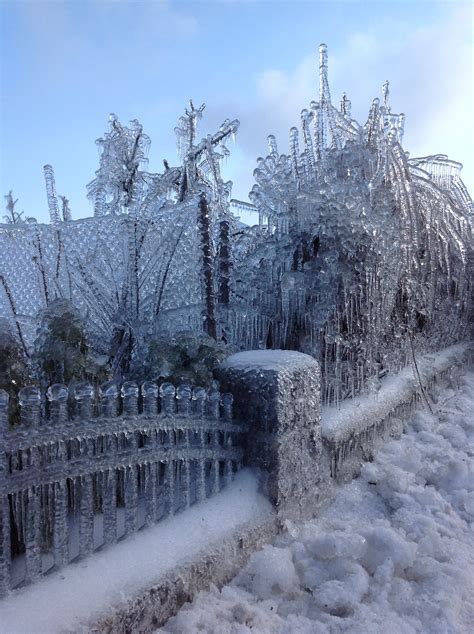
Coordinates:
278 394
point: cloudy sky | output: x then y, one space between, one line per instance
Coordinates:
67 64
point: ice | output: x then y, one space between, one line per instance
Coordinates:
394 551
82 593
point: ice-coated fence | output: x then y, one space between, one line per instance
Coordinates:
85 469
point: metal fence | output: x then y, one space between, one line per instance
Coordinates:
84 470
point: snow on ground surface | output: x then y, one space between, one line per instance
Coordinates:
81 592
393 553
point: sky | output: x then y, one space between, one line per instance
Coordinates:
65 65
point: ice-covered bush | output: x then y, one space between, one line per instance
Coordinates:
15 372
186 357
61 351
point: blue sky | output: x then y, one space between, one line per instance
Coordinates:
67 65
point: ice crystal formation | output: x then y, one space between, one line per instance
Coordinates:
361 257
363 253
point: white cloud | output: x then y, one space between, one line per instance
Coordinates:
430 69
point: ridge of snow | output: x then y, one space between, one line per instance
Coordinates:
356 415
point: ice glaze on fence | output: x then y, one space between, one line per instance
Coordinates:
83 470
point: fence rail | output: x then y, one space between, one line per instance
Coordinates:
83 470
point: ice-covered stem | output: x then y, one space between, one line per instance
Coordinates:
12 305
130 398
225 262
66 211
109 393
57 396
204 221
30 406
345 105
84 397
150 398
53 207
278 394
5 554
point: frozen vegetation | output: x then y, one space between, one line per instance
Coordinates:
362 256
394 552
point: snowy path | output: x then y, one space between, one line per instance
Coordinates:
393 553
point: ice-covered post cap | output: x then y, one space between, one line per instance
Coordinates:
84 397
30 405
183 396
150 398
199 398
57 396
277 393
167 394
130 398
109 393
213 399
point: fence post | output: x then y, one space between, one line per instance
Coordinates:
30 406
5 553
278 394
57 396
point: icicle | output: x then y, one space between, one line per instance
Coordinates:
131 500
33 534
60 529
151 506
86 516
170 486
109 506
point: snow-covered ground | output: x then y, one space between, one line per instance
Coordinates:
393 553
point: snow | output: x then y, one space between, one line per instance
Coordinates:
82 592
394 552
266 360
353 416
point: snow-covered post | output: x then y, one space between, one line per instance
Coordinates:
278 394
5 554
